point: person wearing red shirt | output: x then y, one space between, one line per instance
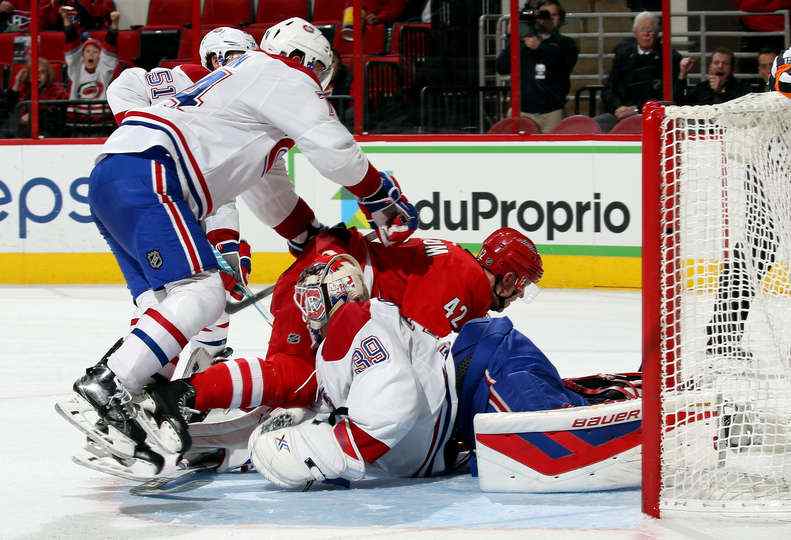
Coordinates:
48 89
435 283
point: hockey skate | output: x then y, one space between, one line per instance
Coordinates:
164 414
144 465
103 409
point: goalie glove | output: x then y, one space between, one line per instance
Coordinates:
389 212
236 253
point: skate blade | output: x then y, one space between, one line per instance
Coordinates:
136 470
83 416
178 481
159 436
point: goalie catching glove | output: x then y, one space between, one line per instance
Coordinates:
389 212
237 253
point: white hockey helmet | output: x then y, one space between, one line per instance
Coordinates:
222 42
298 39
326 285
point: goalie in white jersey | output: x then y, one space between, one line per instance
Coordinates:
398 403
167 167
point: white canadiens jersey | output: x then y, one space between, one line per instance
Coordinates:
398 384
136 88
227 132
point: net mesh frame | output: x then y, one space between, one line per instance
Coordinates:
725 308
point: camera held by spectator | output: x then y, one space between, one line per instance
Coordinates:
547 59
535 22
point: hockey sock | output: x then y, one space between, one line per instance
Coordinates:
279 381
213 337
162 330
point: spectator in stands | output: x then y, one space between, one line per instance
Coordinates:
760 23
546 60
636 75
85 14
719 86
373 12
48 89
766 57
91 66
14 15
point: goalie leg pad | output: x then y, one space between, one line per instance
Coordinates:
588 448
296 456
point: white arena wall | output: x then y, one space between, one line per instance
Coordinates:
578 200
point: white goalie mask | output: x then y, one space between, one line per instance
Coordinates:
222 42
298 39
326 285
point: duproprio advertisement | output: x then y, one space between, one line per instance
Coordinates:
579 201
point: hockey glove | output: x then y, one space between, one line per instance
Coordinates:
237 253
297 245
389 212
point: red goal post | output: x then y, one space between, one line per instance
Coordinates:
716 311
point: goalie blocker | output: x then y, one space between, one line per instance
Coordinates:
568 435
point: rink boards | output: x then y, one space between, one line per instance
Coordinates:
578 200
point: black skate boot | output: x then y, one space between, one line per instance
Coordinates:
112 401
165 413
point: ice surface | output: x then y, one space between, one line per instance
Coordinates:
48 335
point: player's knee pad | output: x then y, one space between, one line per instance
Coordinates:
197 301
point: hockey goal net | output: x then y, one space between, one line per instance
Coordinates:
717 308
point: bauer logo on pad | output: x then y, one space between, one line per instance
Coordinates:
154 259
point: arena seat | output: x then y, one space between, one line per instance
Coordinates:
328 11
412 42
631 124
53 45
128 45
168 13
257 30
577 124
373 40
227 12
7 47
274 11
383 89
515 126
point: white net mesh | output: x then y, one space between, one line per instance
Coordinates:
726 307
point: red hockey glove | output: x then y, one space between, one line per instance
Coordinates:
389 212
237 253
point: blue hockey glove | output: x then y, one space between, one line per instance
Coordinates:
389 212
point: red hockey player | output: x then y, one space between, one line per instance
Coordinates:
434 282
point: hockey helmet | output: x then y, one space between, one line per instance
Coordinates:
298 39
506 251
325 285
222 42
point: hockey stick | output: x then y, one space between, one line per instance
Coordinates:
234 307
226 268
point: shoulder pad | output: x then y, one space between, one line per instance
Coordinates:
343 327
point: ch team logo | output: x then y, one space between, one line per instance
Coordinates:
154 259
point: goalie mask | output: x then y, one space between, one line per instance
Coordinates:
224 42
507 251
298 39
326 285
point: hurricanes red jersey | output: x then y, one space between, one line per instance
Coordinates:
436 283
